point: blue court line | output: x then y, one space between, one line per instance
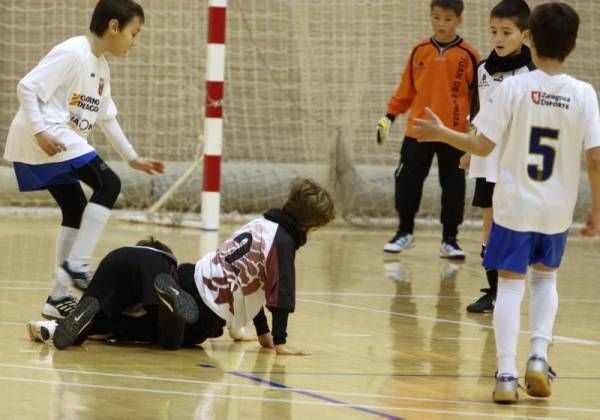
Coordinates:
404 375
306 393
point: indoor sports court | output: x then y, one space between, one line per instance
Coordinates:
389 338
238 98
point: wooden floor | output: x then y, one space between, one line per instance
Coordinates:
390 338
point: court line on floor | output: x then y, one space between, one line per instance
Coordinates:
305 393
341 393
263 399
408 295
440 320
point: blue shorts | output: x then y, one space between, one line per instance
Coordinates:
514 251
39 177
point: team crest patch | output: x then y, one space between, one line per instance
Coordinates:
536 96
101 86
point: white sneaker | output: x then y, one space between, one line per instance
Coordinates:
41 330
450 249
399 243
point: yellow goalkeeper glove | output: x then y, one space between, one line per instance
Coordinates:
383 129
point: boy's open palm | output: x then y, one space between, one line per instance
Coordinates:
49 144
150 166
427 129
287 350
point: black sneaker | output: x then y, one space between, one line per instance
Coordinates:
175 300
484 304
70 328
80 279
59 308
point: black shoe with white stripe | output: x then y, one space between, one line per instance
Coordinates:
450 250
175 300
58 308
69 329
80 279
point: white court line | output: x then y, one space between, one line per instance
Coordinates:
262 385
442 320
394 295
263 399
23 288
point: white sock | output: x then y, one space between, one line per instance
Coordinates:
507 322
93 221
64 242
542 310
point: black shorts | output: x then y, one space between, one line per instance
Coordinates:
484 191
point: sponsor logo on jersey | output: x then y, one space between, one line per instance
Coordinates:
88 103
550 99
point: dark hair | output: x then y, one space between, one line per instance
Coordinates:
554 29
122 10
309 204
517 10
457 6
156 244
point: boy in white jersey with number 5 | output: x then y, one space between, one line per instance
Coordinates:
541 121
61 99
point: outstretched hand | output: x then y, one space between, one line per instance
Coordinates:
290 351
266 340
592 224
428 129
150 166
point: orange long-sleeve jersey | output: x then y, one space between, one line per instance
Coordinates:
438 77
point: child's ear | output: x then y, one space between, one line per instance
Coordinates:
113 26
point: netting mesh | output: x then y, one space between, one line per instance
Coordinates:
306 81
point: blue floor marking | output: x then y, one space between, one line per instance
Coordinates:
305 393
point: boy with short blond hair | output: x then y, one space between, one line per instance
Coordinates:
541 121
440 73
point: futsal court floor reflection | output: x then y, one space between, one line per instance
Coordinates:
390 338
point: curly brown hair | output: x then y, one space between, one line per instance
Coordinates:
309 203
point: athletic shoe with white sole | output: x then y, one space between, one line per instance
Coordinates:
450 250
41 330
176 300
80 279
399 242
506 389
70 328
58 308
538 377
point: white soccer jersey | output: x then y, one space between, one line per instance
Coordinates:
72 86
540 124
254 267
487 167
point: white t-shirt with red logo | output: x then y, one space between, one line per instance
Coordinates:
72 87
541 123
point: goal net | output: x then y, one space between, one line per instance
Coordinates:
305 83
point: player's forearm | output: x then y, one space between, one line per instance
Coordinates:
279 328
467 142
113 132
593 170
29 102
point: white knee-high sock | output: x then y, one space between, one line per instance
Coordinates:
507 322
93 221
542 310
64 242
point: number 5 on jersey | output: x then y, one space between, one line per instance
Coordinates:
546 151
